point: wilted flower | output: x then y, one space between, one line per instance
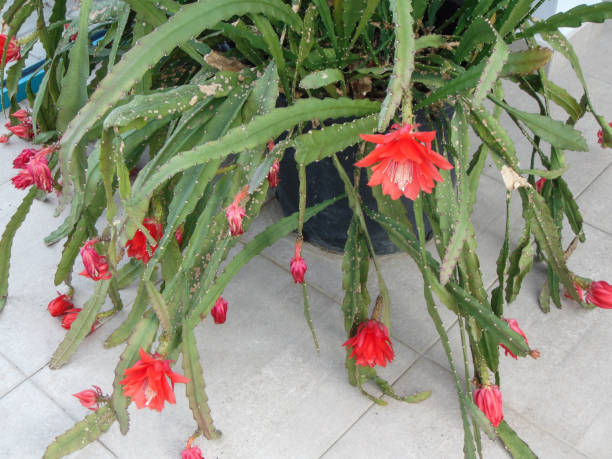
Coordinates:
191 452
371 344
489 400
38 167
138 246
23 180
60 305
96 267
273 174
297 265
219 311
406 164
513 324
23 158
600 294
235 213
145 382
12 53
90 398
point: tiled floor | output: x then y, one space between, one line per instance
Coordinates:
270 393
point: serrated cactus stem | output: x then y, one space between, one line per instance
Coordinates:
309 319
302 198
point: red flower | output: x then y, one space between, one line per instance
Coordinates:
23 180
513 324
71 315
145 382
273 174
219 311
489 400
600 294
23 130
235 213
297 265
95 264
12 53
600 135
90 398
191 452
21 115
38 167
4 138
371 345
23 158
406 162
138 247
540 185
60 305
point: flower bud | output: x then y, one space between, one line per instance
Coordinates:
273 174
4 138
235 213
21 115
23 130
60 305
600 294
489 400
191 452
70 317
90 398
219 311
298 265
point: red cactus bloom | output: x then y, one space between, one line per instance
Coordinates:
513 324
235 213
60 305
90 398
145 382
600 294
540 185
489 400
191 452
21 114
23 130
4 138
219 311
406 164
23 180
138 246
297 265
71 315
273 174
96 267
371 345
12 53
23 158
38 167
600 135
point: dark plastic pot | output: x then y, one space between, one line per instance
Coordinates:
328 229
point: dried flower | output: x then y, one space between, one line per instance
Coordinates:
90 398
235 213
489 400
297 265
600 294
219 311
60 305
96 267
138 246
145 382
371 344
513 324
178 235
406 162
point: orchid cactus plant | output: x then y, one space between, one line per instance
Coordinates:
168 130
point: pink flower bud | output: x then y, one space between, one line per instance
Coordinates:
600 135
600 294
4 138
191 452
273 174
96 267
21 115
178 235
235 213
298 265
90 398
489 400
513 324
23 130
219 311
23 158
60 305
540 185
